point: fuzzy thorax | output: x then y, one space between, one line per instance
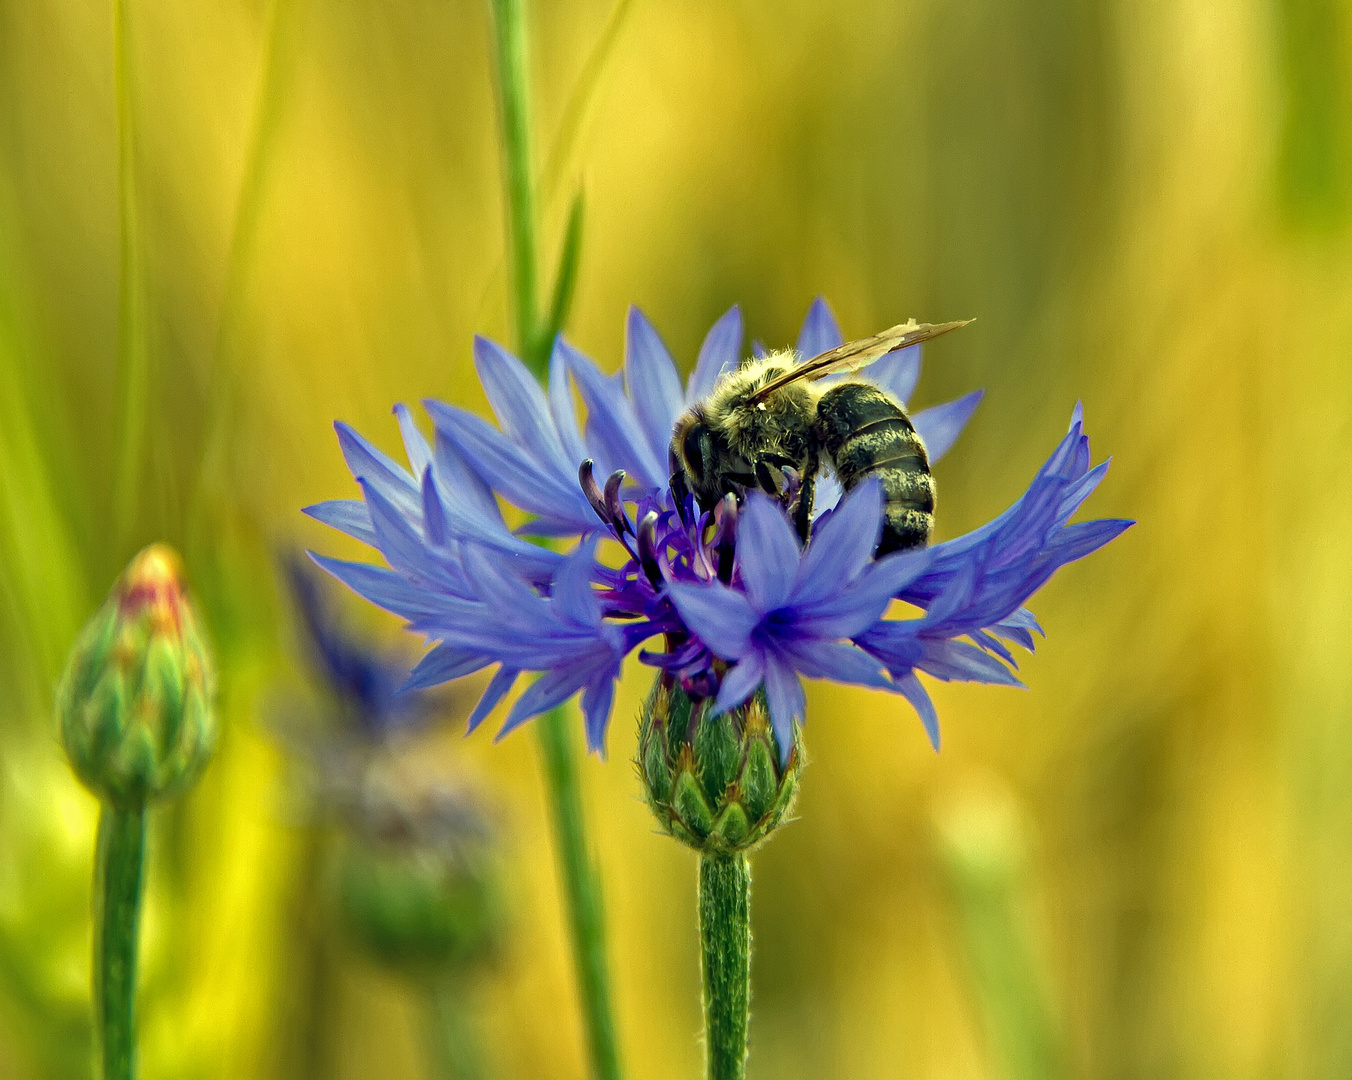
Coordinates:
719 441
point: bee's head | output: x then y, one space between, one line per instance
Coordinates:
694 447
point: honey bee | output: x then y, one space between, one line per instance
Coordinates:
768 417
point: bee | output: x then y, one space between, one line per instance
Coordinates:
768 417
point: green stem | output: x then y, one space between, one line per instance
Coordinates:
509 42
117 909
725 935
582 890
453 1045
132 358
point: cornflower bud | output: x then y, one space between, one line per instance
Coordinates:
417 880
714 782
136 701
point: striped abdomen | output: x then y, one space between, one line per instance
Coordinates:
868 434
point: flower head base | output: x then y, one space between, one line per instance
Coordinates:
417 882
135 703
714 780
741 605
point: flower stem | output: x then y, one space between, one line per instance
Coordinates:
509 42
582 890
117 909
452 1045
725 935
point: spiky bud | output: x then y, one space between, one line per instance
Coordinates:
136 701
714 782
417 880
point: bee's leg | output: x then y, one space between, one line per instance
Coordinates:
737 483
766 481
807 488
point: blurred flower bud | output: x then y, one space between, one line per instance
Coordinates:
136 701
713 782
417 881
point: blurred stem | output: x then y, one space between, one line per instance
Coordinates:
580 101
982 858
509 44
132 356
274 80
725 937
452 1041
582 889
117 892
581 883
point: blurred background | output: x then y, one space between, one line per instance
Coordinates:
1136 868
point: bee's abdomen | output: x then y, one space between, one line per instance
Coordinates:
868 434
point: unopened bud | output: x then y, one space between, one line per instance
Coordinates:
136 701
418 880
714 782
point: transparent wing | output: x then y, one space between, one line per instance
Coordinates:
854 355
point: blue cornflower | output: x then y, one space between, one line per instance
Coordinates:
795 607
363 682
736 602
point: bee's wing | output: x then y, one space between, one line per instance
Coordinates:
856 354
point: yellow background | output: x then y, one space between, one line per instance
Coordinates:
1144 202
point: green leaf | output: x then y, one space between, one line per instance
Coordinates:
565 283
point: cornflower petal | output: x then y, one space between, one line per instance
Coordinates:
897 372
597 699
843 546
348 516
462 484
521 408
940 426
719 616
561 407
839 663
434 513
403 546
740 682
442 664
957 661
652 382
720 353
384 588
820 332
550 689
767 552
382 472
497 688
509 469
1076 541
913 691
784 694
572 591
612 422
419 454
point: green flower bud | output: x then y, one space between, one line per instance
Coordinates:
417 883
136 701
714 782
